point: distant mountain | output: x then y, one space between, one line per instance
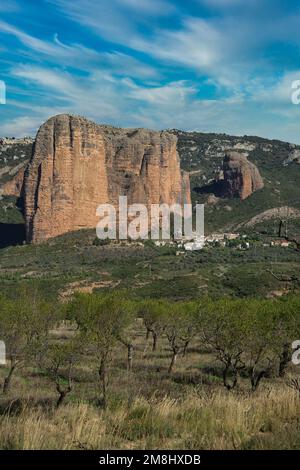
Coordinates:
202 155
14 157
14 153
278 162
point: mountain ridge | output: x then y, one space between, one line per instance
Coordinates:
202 154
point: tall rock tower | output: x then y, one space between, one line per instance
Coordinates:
77 165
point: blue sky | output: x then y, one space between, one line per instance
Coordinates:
207 65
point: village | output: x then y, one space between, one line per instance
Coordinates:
7 141
227 239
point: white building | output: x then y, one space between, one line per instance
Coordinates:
194 246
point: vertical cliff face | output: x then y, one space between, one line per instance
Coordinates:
77 165
241 177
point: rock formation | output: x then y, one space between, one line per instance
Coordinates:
241 177
14 186
77 165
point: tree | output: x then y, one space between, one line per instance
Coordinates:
179 328
221 327
101 320
125 337
190 309
261 330
59 360
153 312
24 326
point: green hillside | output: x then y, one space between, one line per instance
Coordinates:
76 261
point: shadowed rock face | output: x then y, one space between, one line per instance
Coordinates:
241 177
77 165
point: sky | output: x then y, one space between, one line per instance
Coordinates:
206 65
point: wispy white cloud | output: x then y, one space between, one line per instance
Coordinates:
172 94
106 99
80 94
21 126
54 49
79 56
113 24
193 45
228 47
126 65
60 82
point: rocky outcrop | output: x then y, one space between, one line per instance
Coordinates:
77 165
294 157
241 177
14 186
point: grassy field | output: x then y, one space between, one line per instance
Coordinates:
147 408
197 421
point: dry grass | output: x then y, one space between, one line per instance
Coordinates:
222 420
147 408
